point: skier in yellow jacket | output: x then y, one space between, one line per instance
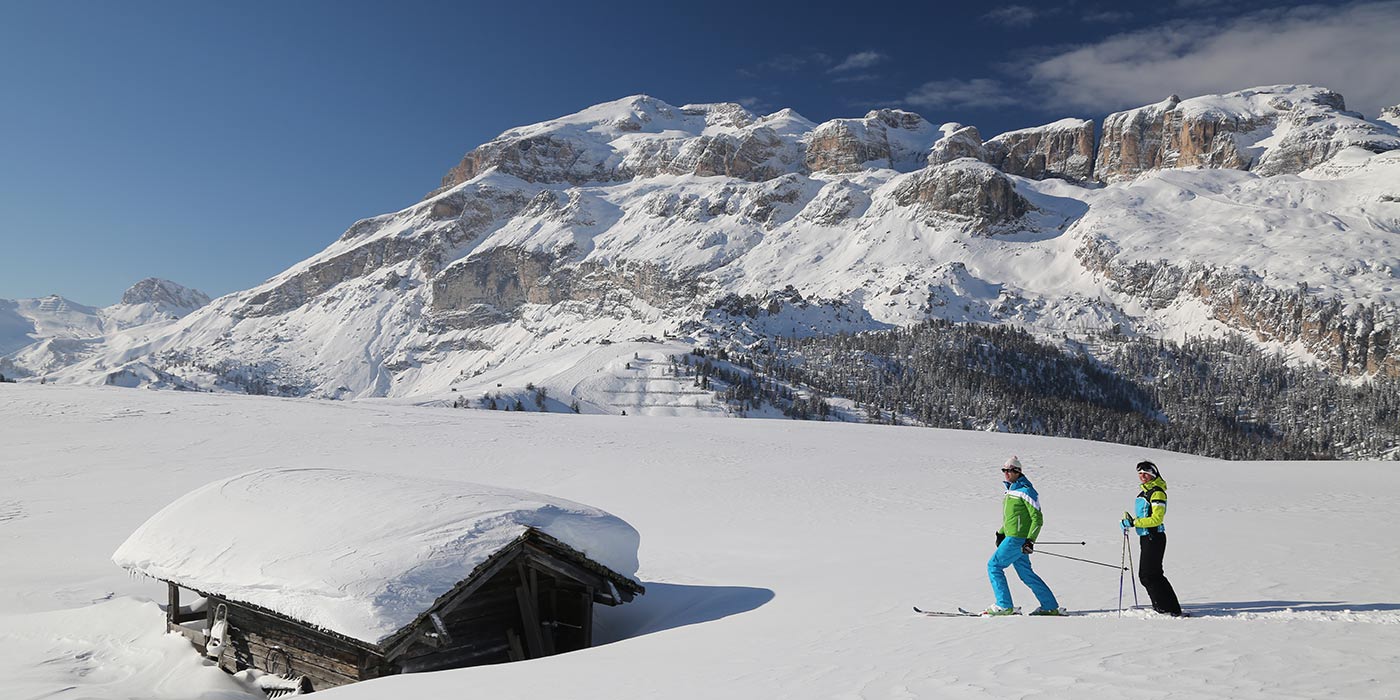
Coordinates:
1151 507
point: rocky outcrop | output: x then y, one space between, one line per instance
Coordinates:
1271 130
1162 136
1391 116
1317 127
966 189
836 202
884 138
1064 149
958 141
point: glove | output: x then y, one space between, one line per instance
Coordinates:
1127 520
1028 547
1000 537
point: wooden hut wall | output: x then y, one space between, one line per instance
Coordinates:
325 660
493 625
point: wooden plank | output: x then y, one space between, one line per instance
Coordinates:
529 618
196 637
458 657
566 569
513 639
256 654
281 631
302 654
172 607
588 618
546 636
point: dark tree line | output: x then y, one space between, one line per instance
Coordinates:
1218 397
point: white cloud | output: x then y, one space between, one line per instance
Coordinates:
978 92
859 61
1353 49
1014 15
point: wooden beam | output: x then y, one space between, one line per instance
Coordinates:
513 639
588 618
529 616
172 606
567 569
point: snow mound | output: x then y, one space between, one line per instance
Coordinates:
357 553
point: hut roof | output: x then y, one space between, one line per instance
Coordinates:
356 553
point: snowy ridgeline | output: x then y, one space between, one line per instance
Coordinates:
781 559
357 553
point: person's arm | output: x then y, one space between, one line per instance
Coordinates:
1037 520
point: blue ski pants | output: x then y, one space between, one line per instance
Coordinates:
1009 554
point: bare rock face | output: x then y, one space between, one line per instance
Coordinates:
966 189
884 138
1064 149
1270 130
452 220
490 286
958 142
542 158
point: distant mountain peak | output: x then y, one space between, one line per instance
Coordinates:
164 294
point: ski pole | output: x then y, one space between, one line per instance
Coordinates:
1121 569
1087 561
1042 543
1131 566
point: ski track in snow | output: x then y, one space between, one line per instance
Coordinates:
780 557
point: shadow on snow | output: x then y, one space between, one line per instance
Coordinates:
670 605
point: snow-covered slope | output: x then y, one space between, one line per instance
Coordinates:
781 559
635 219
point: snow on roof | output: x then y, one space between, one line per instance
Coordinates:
357 553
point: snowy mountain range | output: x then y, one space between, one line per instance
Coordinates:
574 253
38 335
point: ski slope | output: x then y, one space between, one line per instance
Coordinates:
781 558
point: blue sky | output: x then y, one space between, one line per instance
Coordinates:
216 144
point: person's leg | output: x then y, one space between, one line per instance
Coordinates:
1005 554
1036 584
1159 589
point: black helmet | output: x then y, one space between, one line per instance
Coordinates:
1146 467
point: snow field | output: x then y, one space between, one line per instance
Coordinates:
781 558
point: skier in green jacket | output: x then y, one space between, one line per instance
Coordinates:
1021 521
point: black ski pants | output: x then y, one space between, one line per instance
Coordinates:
1159 589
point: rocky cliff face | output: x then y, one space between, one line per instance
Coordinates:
1272 130
884 138
1351 338
1064 149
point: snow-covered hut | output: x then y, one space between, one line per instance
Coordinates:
340 576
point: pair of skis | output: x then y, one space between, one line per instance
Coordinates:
967 613
942 613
